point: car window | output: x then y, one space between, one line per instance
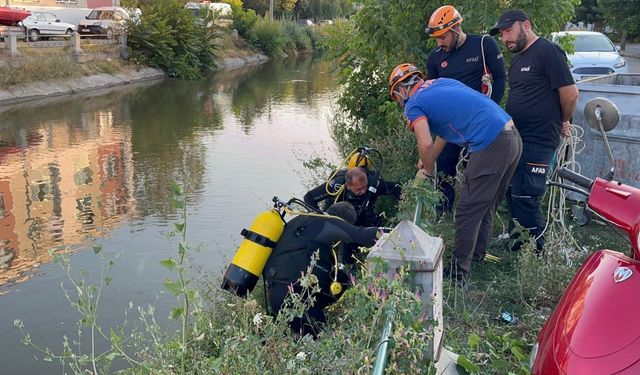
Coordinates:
40 17
593 43
106 15
50 17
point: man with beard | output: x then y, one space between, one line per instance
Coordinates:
541 99
474 60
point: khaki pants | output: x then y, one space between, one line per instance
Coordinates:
486 178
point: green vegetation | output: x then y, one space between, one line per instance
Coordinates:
171 38
276 38
54 65
221 334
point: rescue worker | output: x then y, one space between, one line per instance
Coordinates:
542 98
361 190
474 60
453 112
303 236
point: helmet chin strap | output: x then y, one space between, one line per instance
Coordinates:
460 37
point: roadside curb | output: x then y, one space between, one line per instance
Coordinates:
43 90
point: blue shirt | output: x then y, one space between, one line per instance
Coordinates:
457 113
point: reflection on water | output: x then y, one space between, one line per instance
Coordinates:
78 168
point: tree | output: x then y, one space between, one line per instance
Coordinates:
588 11
623 16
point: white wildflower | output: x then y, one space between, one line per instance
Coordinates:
301 356
257 320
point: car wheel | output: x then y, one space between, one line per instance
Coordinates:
68 32
34 35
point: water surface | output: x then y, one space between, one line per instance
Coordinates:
97 169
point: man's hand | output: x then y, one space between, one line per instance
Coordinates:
422 174
566 129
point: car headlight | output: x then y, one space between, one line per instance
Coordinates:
620 64
97 23
532 356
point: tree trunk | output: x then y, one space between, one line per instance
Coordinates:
623 40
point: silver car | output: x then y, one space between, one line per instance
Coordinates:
44 24
594 55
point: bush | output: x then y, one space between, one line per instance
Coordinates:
244 21
169 37
269 37
296 37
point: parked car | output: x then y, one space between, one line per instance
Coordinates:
221 12
107 20
45 24
594 55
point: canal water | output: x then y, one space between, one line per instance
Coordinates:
96 170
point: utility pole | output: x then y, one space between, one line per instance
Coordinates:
270 9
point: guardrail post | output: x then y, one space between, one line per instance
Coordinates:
11 44
124 49
409 244
77 54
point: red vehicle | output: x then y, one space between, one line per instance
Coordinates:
11 17
595 327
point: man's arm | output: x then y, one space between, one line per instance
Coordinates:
334 230
316 195
427 148
495 63
568 99
389 188
425 145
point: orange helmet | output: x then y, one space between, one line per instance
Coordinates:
442 20
401 73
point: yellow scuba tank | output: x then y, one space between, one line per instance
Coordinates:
360 159
254 251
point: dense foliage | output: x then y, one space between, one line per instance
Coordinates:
307 9
170 37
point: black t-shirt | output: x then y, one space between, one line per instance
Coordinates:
534 104
465 64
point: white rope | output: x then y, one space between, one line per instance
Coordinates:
566 153
486 77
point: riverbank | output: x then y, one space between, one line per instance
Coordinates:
32 91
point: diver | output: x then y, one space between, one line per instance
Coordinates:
360 188
303 236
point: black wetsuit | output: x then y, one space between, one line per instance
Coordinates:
302 237
362 203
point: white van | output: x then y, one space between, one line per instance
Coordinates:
223 10
107 20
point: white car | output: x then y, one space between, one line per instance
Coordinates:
44 24
107 20
594 55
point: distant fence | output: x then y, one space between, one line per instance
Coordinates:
14 40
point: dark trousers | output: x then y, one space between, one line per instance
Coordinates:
313 319
527 188
447 162
486 178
